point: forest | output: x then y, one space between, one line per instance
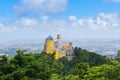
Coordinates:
40 66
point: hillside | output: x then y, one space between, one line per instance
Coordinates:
39 66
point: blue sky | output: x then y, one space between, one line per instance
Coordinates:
73 19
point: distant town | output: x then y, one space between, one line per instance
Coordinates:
102 47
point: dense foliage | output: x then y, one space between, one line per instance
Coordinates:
84 66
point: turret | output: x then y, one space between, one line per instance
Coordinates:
58 37
49 45
58 42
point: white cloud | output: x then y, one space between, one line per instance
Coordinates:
103 25
103 21
40 6
26 22
72 18
44 18
80 22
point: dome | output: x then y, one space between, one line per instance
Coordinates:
49 38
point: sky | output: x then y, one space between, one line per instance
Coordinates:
73 19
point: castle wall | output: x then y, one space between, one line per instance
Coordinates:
59 54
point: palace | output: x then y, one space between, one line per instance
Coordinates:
60 49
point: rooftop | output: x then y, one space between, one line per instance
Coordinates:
49 38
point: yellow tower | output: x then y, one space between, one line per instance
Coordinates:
49 45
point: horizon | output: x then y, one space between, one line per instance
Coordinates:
74 20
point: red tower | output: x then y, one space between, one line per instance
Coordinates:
58 37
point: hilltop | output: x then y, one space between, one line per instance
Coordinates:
39 66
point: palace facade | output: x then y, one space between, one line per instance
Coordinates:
60 49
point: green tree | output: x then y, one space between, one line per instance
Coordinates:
118 55
71 77
3 59
22 58
18 74
82 69
55 77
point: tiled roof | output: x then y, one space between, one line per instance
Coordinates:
49 38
